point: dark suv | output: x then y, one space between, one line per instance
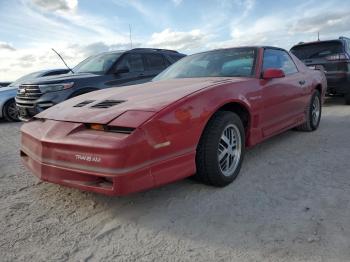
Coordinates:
334 56
110 69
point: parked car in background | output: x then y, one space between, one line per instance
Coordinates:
197 117
110 69
8 109
334 56
4 84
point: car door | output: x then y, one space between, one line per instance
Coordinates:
134 63
283 97
155 63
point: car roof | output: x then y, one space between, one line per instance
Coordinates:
144 50
318 42
247 47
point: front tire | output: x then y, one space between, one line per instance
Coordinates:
313 113
10 111
220 151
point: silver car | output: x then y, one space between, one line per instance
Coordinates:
8 109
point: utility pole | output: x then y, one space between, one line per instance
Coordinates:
318 36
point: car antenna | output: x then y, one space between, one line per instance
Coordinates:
130 36
70 69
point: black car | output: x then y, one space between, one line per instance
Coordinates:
110 69
334 56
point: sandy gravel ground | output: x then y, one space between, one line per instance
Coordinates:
291 202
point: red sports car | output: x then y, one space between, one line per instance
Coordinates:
195 118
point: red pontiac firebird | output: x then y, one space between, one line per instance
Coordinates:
195 118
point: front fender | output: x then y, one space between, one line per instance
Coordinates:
178 127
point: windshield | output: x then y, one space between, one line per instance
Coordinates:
98 64
236 62
317 50
25 78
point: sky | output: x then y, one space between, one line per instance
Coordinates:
80 28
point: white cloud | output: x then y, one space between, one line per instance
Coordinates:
327 22
51 24
77 33
56 5
6 46
169 39
14 64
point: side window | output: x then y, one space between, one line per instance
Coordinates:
132 61
155 62
279 59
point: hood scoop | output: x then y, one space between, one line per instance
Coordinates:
107 103
84 103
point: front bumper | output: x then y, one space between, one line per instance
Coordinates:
108 163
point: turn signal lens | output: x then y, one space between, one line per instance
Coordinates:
96 127
114 129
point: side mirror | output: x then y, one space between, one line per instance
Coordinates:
122 70
272 73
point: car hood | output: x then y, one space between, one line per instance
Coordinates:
149 97
8 88
59 78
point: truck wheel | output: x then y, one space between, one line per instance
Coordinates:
313 113
10 111
220 151
347 99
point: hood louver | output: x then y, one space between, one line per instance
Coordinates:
84 103
107 103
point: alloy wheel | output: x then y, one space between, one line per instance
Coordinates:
229 150
316 110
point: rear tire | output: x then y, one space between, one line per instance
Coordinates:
10 111
347 99
220 151
313 113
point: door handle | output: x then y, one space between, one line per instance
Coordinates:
141 74
302 82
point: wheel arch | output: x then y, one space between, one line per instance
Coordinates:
4 104
238 107
318 87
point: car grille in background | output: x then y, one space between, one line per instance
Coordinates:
107 103
84 103
27 94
